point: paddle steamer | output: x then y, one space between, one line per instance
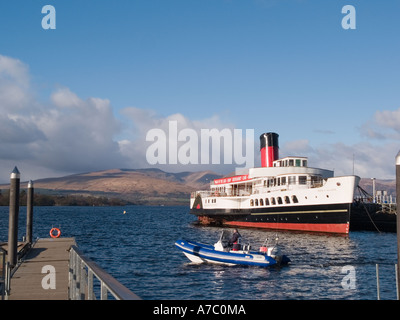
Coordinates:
281 194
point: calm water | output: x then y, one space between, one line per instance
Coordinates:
138 249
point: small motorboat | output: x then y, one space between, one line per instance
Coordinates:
222 253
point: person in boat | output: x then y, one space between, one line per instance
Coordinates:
235 240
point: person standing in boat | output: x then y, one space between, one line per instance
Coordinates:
235 240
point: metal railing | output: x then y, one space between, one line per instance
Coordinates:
85 276
5 275
7 270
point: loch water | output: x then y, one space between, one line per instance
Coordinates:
135 244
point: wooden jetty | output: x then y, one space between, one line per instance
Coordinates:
50 268
55 269
29 280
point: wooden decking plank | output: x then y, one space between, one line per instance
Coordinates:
26 283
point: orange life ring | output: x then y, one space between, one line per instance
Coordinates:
57 235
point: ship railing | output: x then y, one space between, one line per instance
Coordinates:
257 190
208 193
316 184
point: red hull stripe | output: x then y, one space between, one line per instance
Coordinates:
331 228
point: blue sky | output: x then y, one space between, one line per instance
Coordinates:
286 66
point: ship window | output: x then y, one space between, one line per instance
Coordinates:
283 180
251 202
292 180
287 200
256 202
304 163
266 202
279 200
294 199
291 162
261 202
302 179
298 162
273 201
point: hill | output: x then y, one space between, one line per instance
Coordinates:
138 186
380 185
141 186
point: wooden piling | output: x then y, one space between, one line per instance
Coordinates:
13 217
29 212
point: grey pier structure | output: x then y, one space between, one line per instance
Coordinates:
49 268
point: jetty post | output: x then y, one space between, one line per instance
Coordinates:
398 219
13 217
29 212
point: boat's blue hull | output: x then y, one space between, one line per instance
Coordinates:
199 252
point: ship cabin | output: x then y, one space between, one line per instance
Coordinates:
285 174
291 162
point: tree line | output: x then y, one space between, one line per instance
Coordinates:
62 200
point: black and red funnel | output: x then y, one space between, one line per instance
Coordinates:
269 148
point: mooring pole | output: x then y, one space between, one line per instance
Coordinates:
13 217
398 219
29 212
378 290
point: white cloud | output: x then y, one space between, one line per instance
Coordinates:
68 134
64 135
142 121
389 119
365 159
79 134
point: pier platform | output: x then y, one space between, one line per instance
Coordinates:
26 283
